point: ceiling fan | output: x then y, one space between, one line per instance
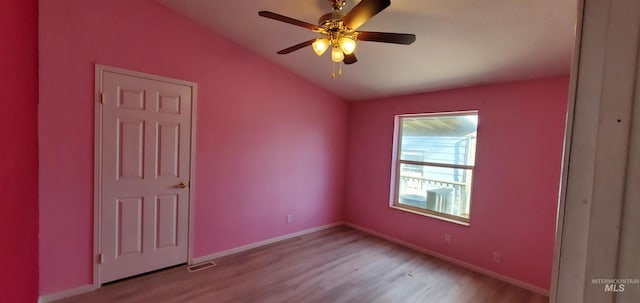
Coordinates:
339 30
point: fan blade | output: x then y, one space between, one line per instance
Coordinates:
286 19
296 47
350 59
387 37
362 12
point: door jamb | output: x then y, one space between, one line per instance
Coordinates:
566 149
97 160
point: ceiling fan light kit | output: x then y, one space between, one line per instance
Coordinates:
320 46
339 30
347 44
337 55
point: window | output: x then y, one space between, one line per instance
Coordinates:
434 160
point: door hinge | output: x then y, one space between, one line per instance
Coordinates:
101 98
100 258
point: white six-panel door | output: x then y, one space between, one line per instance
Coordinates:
145 169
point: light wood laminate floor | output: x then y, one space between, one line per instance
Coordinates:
335 265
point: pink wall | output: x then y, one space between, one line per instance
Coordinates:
269 144
516 179
19 151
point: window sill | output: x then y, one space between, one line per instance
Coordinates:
405 209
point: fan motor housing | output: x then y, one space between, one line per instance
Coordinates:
331 21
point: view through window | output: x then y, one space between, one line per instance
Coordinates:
434 164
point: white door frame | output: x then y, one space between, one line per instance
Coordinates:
599 168
99 71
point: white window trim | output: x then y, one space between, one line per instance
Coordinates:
395 171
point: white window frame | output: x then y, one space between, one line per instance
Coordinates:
395 173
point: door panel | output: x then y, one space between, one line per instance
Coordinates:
130 149
129 232
146 148
131 99
167 143
167 218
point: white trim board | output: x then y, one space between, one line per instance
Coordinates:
263 243
457 262
66 293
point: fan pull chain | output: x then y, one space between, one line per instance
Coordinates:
333 73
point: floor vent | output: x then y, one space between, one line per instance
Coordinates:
201 266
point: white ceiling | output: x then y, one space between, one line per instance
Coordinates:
459 43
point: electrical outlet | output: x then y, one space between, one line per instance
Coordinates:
447 238
289 218
496 257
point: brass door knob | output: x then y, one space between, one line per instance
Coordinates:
182 185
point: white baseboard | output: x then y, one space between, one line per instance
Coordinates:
466 265
262 243
66 293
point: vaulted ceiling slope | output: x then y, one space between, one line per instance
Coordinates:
459 43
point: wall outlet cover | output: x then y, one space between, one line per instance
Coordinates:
447 238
